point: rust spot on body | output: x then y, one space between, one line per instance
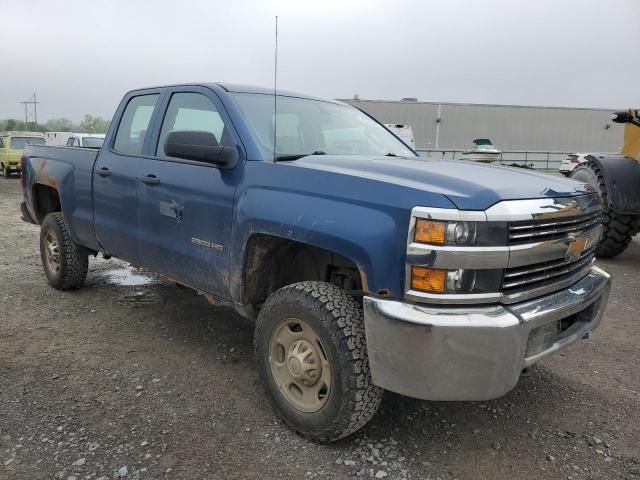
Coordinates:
48 180
41 166
363 279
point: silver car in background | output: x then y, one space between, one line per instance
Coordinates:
571 162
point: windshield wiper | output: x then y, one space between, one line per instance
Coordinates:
298 156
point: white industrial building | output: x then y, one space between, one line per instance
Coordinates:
539 132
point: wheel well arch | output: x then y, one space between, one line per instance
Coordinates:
272 262
46 199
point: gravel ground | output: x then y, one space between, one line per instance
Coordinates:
134 378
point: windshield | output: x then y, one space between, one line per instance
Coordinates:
18 143
306 127
92 142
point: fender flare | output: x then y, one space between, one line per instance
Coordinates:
622 180
355 231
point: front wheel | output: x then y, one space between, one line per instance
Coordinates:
65 263
312 357
618 229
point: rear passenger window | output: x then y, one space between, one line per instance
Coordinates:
193 111
134 124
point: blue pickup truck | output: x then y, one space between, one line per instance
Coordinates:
364 266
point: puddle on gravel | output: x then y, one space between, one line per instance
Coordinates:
128 276
107 273
119 273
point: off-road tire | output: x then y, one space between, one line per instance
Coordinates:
337 319
6 172
74 259
618 228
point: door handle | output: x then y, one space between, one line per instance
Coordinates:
104 172
149 179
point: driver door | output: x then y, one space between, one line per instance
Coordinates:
185 207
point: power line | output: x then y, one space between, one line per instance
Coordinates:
31 112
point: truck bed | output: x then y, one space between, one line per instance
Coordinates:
69 171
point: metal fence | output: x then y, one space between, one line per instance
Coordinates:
537 160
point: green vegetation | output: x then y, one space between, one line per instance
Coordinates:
89 124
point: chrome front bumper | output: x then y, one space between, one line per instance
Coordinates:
475 353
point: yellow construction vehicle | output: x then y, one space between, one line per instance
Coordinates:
617 179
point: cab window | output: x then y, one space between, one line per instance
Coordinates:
192 111
19 143
134 124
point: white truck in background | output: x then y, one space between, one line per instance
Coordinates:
86 140
70 139
57 139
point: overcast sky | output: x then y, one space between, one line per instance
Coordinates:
82 56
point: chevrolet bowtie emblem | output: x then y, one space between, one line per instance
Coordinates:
577 245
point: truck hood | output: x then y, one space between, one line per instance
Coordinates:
469 185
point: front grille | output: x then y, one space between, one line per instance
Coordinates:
545 273
530 231
550 245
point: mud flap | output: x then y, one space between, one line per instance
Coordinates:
622 179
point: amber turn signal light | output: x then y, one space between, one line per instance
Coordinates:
428 231
430 280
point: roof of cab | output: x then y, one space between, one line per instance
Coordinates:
235 88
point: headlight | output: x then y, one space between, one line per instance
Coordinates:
460 233
435 280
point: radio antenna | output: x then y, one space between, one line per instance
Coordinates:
275 92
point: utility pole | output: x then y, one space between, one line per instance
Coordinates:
28 113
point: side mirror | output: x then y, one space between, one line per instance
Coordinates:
199 146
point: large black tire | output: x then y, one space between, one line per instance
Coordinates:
618 228
70 270
337 320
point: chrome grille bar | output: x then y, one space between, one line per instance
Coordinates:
540 274
529 269
548 230
551 224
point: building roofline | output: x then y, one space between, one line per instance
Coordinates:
463 104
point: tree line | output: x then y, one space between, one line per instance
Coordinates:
89 124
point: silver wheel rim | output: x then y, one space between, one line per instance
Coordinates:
52 251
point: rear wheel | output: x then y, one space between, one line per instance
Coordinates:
618 228
65 263
312 358
6 172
